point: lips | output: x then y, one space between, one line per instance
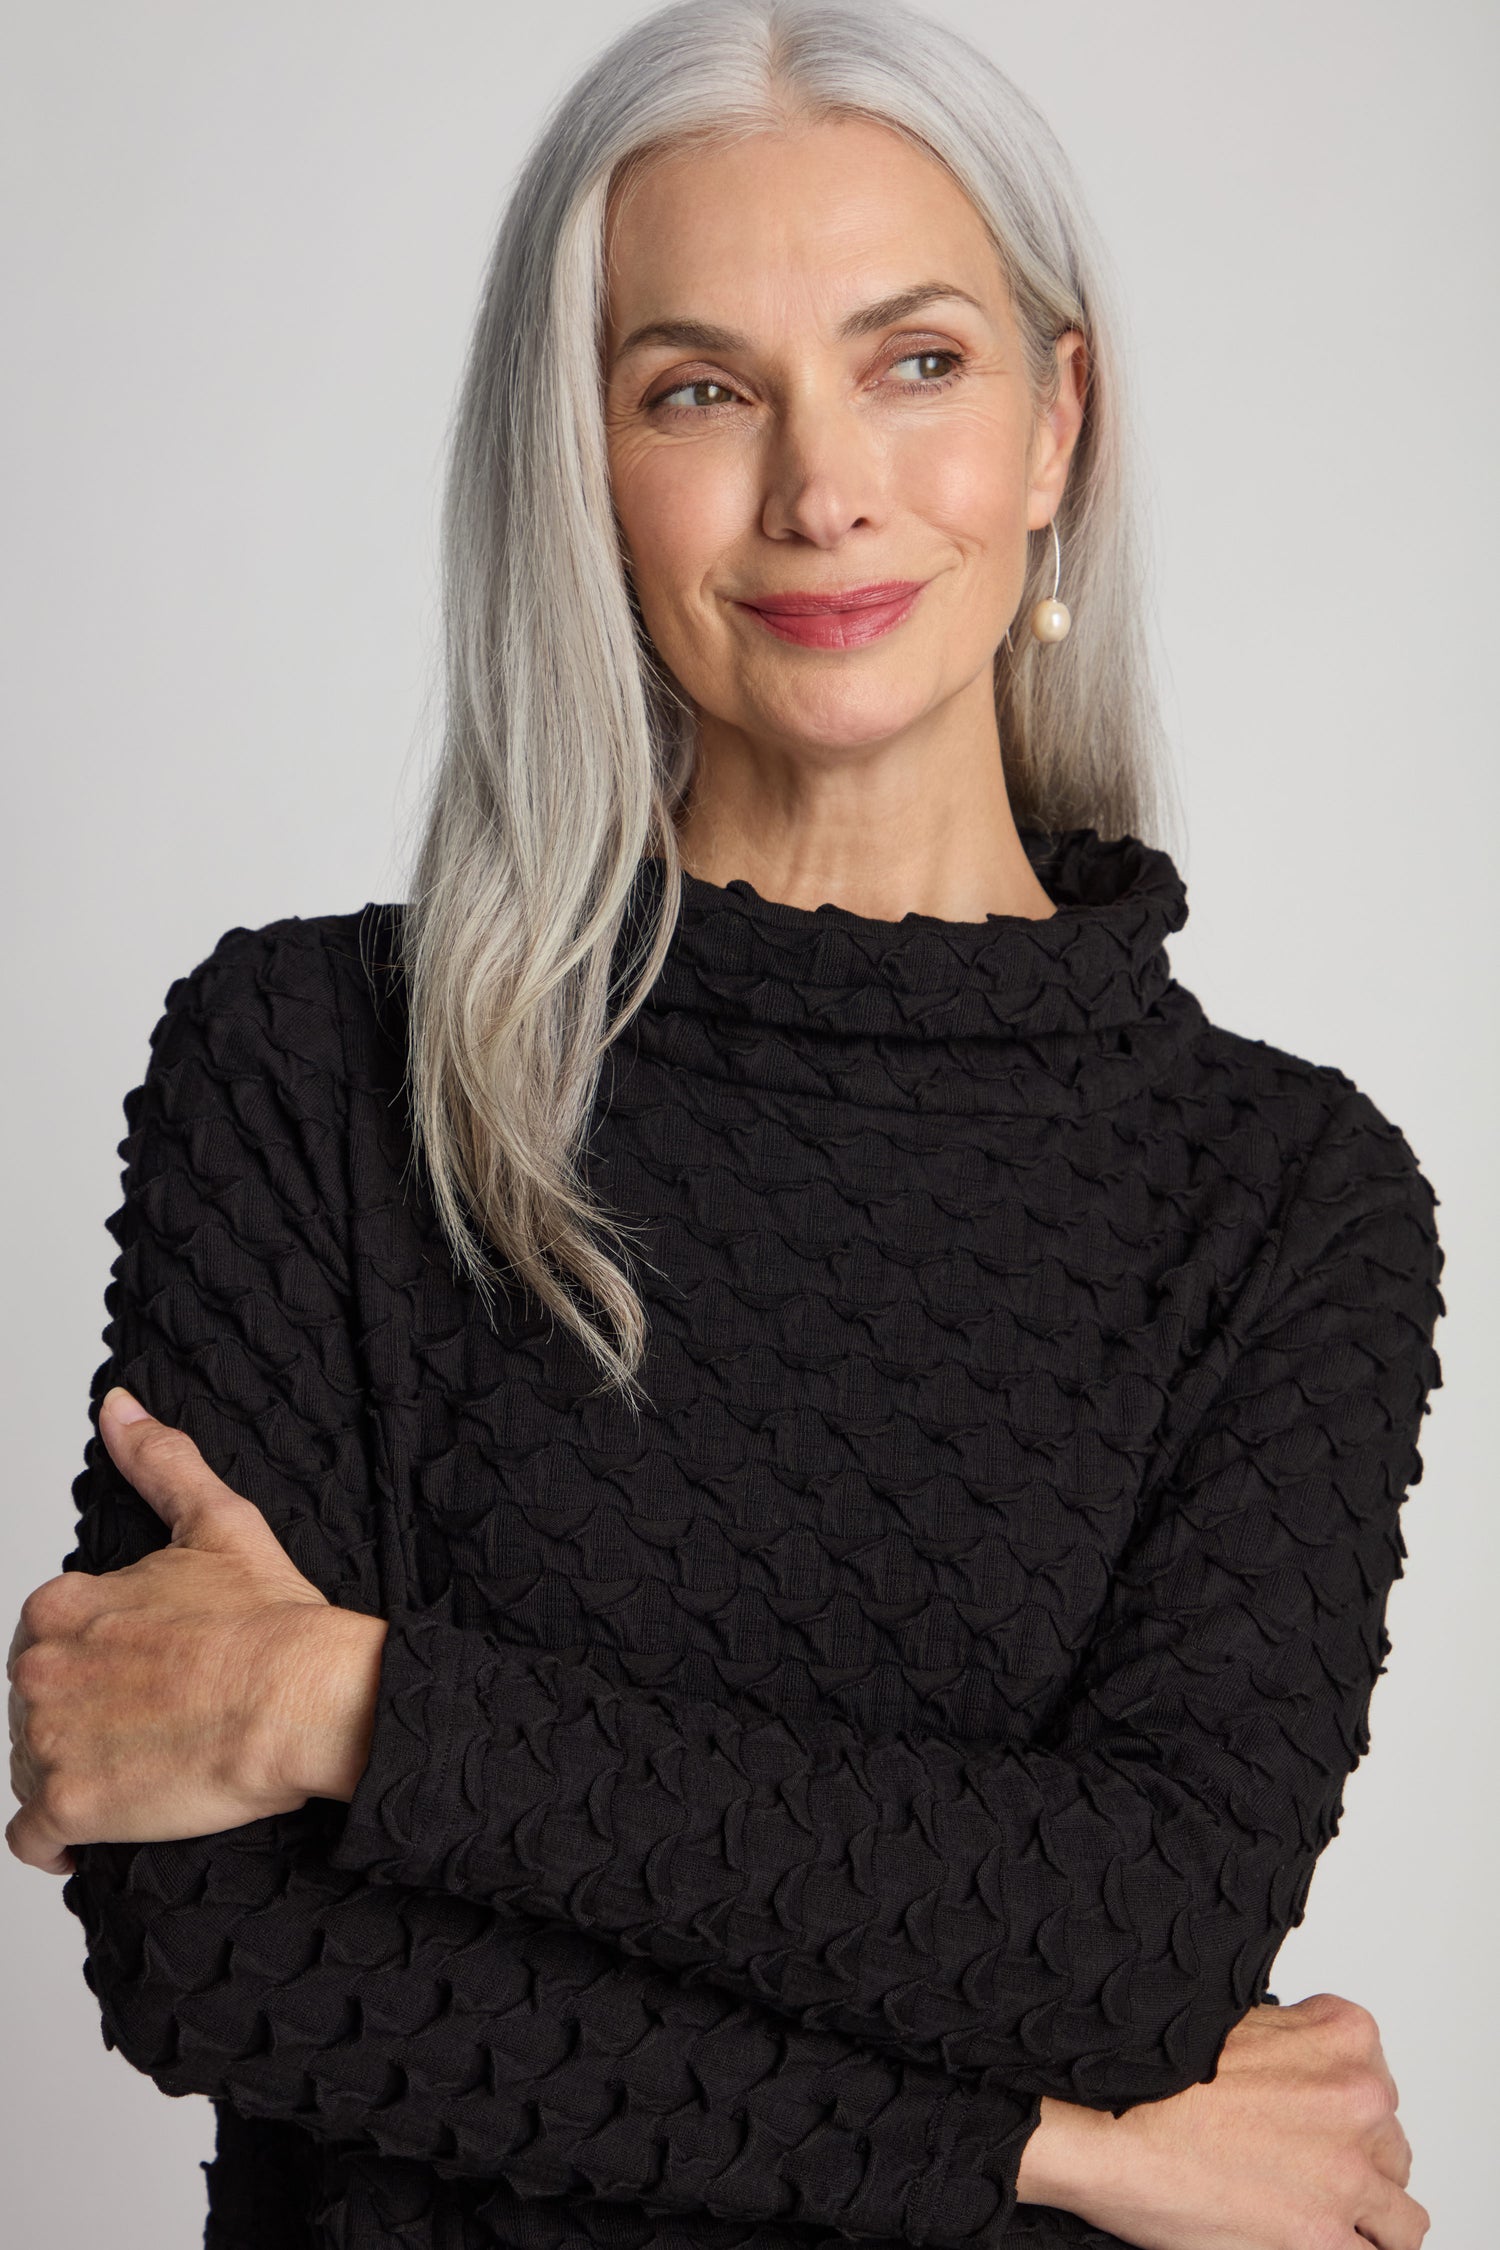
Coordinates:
843 619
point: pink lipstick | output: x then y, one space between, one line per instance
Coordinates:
845 619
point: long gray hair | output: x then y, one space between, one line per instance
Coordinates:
567 749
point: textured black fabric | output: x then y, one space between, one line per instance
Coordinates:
939 1700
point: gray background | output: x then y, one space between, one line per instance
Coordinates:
241 251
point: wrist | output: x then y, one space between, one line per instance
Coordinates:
1072 2149
326 1702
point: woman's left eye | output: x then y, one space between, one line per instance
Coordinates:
690 391
924 360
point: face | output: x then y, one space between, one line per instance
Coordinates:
815 384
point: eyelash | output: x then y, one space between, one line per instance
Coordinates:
699 412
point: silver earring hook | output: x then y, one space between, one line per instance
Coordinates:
1056 575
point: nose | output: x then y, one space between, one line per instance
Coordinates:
824 476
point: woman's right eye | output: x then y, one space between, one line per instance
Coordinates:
690 390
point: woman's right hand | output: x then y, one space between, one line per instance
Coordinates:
1293 2145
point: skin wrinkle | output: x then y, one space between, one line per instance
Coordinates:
871 778
866 320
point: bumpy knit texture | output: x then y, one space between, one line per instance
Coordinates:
938 1700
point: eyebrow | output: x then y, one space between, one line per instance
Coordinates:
704 336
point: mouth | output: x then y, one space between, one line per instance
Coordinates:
845 619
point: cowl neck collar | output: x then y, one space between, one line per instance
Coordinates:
1057 1016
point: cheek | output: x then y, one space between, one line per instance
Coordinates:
679 510
968 479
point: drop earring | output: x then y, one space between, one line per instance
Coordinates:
1051 620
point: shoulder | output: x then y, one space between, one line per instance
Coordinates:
1351 1186
255 1065
299 995
1316 1115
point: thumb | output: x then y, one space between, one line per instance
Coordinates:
166 1469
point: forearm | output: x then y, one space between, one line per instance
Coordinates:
913 1894
327 1704
414 2024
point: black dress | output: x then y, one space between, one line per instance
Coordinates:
938 1700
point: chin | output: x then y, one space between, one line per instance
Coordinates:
839 718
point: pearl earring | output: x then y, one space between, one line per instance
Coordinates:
1051 620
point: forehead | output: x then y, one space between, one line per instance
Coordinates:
811 217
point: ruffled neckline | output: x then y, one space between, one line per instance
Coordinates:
1058 1015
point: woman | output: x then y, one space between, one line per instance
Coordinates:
750 1478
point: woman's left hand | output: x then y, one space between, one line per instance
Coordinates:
207 1685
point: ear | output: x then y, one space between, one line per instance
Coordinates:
1055 433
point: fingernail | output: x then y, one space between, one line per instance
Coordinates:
122 1406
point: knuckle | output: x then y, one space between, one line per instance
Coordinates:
1363 2028
165 1447
1367 2097
104 1624
1351 2027
43 1739
71 1594
1316 2008
66 1804
30 1671
56 1607
36 1611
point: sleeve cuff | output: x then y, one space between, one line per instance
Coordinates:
408 1816
969 2194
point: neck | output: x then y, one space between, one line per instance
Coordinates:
921 824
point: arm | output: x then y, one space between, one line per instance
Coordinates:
1088 1917
243 1966
413 2025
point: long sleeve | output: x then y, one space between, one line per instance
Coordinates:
393 2018
1089 1916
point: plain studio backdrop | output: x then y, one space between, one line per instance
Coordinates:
242 249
